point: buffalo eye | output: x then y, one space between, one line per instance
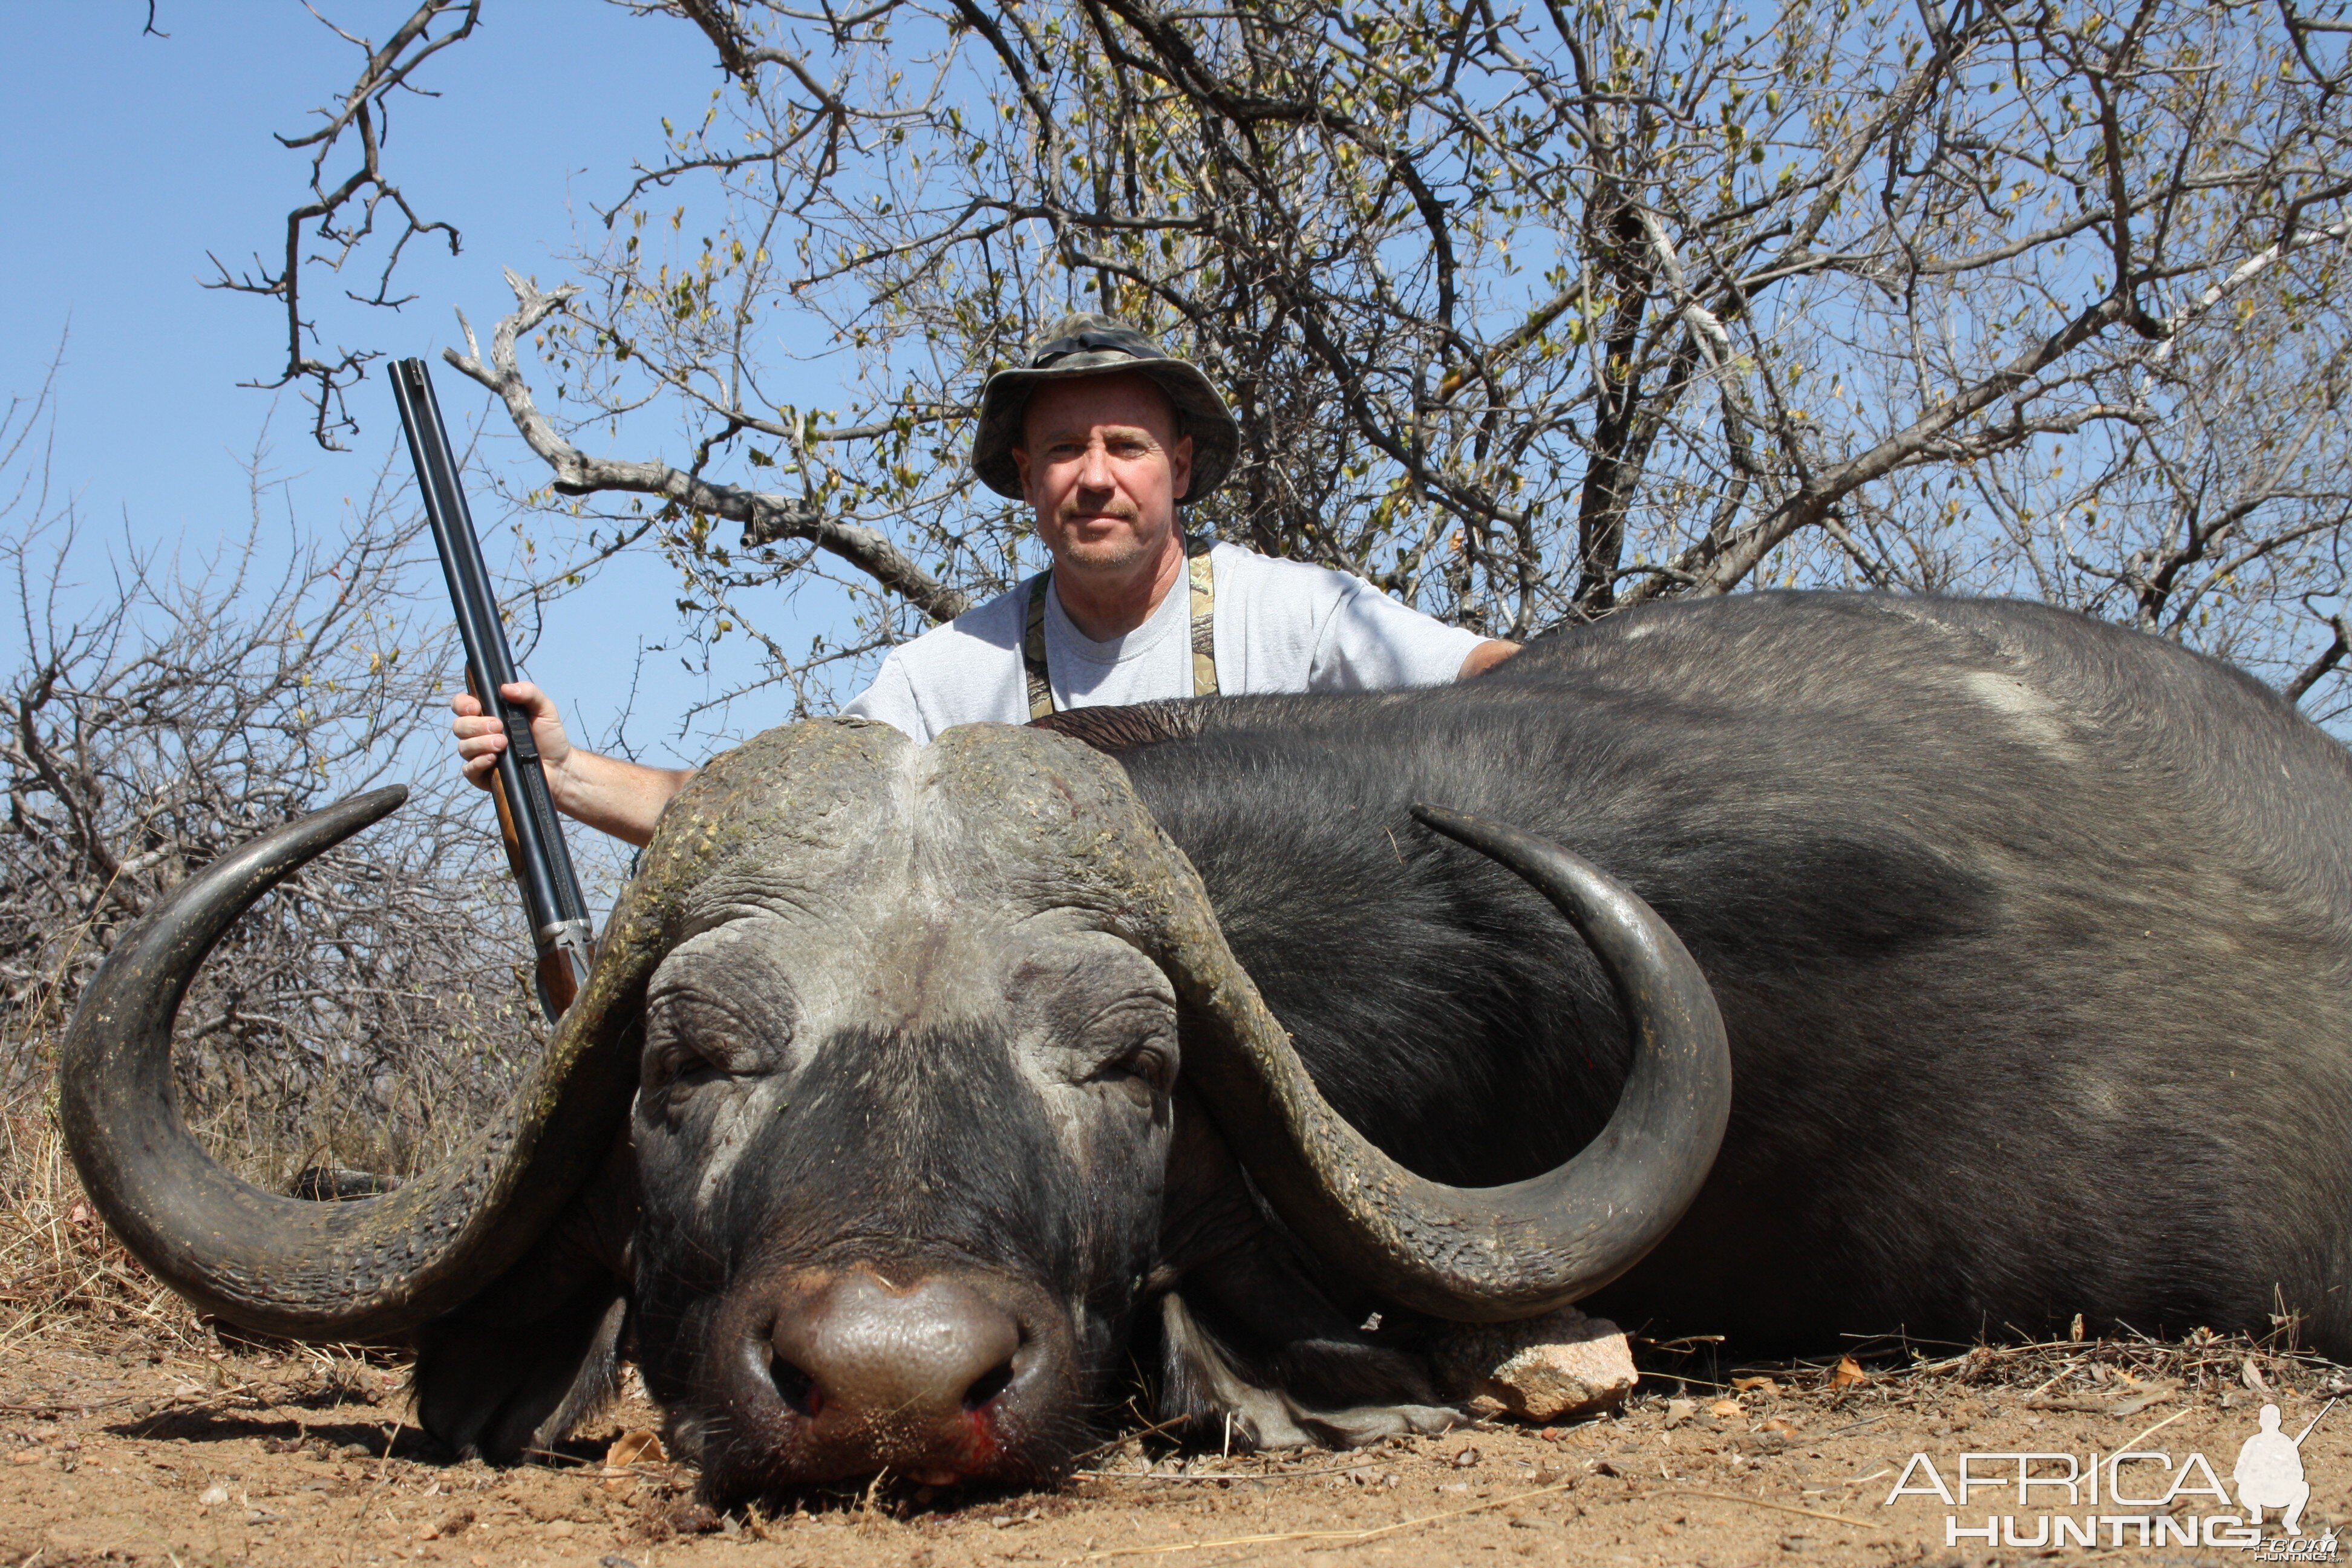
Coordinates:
694 1038
1144 1073
670 1073
672 1064
1135 1051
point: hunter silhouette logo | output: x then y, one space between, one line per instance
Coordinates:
2134 1497
2269 1471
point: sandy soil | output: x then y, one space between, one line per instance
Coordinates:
248 1455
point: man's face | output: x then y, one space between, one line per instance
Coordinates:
1102 466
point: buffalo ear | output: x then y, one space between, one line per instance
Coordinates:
505 1392
1212 1390
1115 730
516 1369
1252 1348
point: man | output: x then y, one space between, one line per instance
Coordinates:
1104 436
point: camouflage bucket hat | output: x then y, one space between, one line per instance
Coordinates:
1089 344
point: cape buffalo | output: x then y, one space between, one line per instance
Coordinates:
914 1086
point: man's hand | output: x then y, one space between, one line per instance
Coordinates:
480 739
610 794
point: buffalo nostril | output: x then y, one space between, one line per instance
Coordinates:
988 1385
799 1389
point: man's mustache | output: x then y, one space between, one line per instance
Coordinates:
1124 513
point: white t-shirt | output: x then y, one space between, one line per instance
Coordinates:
1281 626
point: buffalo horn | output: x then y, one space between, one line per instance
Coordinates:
1492 1253
364 1269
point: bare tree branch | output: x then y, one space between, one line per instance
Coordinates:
2327 659
765 517
329 215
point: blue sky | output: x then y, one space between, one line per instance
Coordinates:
132 157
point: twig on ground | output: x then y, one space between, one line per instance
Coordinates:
1777 1507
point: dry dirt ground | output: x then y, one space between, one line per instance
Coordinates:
202 1457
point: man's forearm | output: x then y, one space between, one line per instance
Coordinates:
614 795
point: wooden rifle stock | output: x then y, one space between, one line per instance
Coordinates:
528 826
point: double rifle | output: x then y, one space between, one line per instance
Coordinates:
527 821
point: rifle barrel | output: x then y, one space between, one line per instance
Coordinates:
542 862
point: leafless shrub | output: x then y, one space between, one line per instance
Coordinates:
161 712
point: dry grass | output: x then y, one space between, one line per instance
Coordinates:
66 1279
2120 1376
62 1273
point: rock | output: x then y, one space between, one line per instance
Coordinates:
1541 1369
448 1524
